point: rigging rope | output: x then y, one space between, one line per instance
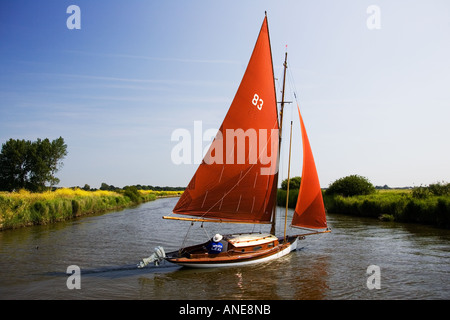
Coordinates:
185 237
206 232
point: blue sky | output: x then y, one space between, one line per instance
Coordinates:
375 102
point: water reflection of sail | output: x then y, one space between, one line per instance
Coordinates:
311 281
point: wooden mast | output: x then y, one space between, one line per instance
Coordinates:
282 96
272 230
287 191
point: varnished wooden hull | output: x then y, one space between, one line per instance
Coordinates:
234 257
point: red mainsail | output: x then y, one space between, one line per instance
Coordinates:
237 178
309 211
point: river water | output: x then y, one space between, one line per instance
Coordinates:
413 261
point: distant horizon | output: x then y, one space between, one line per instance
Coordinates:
378 187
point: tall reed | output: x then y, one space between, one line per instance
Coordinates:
389 205
394 206
24 208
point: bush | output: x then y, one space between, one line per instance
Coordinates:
421 193
294 183
349 186
75 208
394 206
434 189
132 193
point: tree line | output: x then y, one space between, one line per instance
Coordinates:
355 185
110 187
105 186
347 186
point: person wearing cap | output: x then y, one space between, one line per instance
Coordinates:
215 246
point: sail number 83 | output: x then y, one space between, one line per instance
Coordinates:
257 102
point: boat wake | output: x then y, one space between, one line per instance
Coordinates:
118 271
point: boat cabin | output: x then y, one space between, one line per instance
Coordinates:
251 242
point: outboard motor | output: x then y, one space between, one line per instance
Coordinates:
156 257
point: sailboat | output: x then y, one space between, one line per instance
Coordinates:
237 179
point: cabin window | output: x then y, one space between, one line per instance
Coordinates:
257 248
270 245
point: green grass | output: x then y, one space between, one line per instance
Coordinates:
24 208
394 205
281 197
388 205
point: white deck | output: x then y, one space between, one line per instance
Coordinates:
250 239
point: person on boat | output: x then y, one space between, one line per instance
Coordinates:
215 247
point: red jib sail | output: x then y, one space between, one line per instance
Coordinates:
309 211
237 178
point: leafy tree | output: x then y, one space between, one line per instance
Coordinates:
294 183
30 165
105 186
14 165
351 186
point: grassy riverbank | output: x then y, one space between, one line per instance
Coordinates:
394 206
388 205
24 208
